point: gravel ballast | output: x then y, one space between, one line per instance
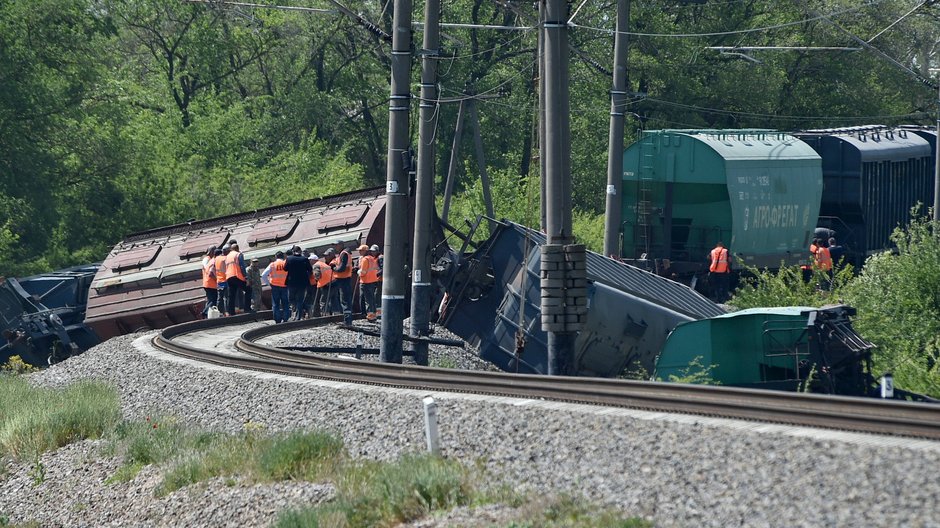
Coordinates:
676 472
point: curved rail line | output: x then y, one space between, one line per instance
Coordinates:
896 418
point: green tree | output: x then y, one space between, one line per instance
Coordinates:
898 300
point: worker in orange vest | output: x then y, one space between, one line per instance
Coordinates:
220 278
323 273
719 272
209 282
822 260
342 280
368 280
380 261
235 277
276 275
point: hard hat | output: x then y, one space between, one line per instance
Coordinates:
375 247
363 248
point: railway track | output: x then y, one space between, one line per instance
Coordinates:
895 418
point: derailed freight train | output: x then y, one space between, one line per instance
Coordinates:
643 325
763 193
153 279
493 296
42 316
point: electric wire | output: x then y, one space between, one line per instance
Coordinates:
733 32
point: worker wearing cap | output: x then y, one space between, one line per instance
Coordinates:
253 291
298 277
311 296
368 280
380 262
323 274
235 277
209 282
220 278
276 273
342 280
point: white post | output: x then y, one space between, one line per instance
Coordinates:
887 386
430 426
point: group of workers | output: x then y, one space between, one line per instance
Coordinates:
823 253
302 283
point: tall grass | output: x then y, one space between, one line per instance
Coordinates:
34 420
383 494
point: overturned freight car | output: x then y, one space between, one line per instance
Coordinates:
41 317
153 279
492 300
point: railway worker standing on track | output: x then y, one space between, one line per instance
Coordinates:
311 297
368 280
323 274
276 274
220 279
342 280
209 282
719 272
380 262
298 277
235 277
253 292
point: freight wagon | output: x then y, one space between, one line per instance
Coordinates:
764 193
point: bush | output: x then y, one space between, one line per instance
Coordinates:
787 287
898 302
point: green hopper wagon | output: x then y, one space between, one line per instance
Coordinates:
758 191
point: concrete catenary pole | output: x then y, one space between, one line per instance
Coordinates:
541 61
936 154
618 100
396 186
424 195
557 153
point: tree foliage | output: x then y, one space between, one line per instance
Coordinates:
117 116
898 300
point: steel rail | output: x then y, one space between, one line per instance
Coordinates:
895 418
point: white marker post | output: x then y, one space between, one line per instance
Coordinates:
430 426
887 386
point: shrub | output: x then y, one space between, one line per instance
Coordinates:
898 302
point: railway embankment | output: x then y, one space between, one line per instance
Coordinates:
673 470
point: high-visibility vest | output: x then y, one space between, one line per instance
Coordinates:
208 279
346 273
369 270
719 260
278 276
824 259
326 274
232 269
220 268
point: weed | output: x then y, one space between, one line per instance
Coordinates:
38 471
34 420
444 362
16 365
298 456
373 493
696 372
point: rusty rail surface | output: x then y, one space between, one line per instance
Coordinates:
887 417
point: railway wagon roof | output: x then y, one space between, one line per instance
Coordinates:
746 144
877 144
